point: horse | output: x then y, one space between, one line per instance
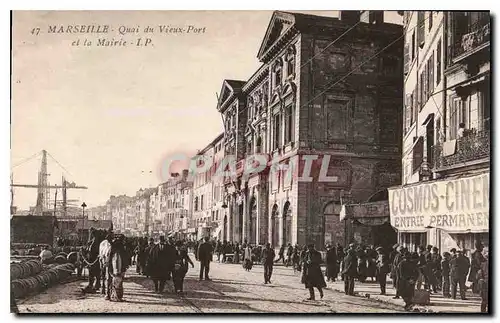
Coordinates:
91 259
104 258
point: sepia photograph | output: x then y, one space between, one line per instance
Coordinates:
250 161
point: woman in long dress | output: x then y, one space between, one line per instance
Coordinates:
118 270
181 261
247 258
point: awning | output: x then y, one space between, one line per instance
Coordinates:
368 210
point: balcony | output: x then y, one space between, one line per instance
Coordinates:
472 147
476 36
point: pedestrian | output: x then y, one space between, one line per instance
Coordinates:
482 281
445 273
296 259
281 254
158 265
476 259
312 276
407 273
118 268
331 263
181 262
145 260
435 270
268 256
459 268
171 251
237 252
247 258
422 268
398 257
205 255
289 254
362 264
350 270
382 264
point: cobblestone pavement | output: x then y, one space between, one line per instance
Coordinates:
232 290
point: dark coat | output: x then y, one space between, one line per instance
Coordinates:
395 263
350 267
205 252
459 267
445 268
268 256
312 276
407 274
476 259
181 261
331 263
159 261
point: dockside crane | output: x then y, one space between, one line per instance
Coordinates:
43 193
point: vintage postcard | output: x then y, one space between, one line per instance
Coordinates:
250 162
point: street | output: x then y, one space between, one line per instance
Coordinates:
232 290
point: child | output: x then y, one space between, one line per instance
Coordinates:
445 267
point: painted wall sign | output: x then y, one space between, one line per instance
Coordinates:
457 205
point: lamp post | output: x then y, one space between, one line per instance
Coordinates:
83 217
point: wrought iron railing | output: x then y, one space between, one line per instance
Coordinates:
476 35
473 146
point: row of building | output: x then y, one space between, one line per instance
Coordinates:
396 117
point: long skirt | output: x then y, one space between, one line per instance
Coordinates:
117 288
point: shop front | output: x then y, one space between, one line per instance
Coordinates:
446 213
369 224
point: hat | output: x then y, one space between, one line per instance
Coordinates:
479 245
395 246
453 250
446 254
162 238
351 245
379 248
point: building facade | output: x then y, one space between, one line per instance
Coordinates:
444 198
317 98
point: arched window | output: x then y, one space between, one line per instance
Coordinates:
196 203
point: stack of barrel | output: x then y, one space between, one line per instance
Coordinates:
32 276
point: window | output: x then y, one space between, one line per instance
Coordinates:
438 63
431 75
430 20
289 131
290 66
277 131
196 203
201 203
258 146
413 46
421 28
456 116
277 73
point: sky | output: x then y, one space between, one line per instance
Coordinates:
110 116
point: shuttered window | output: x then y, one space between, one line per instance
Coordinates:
438 63
431 74
421 28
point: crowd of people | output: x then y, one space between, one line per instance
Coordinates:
425 269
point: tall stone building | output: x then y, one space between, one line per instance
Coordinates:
329 88
444 198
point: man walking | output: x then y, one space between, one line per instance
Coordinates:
281 254
268 255
159 264
205 254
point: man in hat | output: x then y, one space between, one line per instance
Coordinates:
476 259
445 272
268 256
350 270
394 268
331 263
382 264
145 260
482 281
205 255
159 265
459 268
407 274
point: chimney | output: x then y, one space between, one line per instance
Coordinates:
373 17
349 16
